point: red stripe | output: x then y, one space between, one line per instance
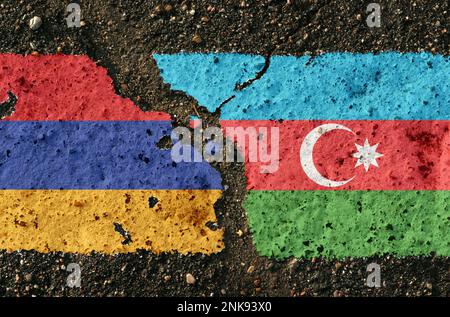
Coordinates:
416 155
64 87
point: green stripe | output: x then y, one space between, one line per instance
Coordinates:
337 224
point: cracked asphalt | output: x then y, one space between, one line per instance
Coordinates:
121 36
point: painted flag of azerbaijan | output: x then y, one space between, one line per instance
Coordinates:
81 169
364 147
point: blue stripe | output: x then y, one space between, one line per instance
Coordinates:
95 155
333 86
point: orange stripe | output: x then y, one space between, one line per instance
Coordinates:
81 221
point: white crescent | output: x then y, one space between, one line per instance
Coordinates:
306 155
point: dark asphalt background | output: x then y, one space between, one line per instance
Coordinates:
121 35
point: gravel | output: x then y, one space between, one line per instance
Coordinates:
265 27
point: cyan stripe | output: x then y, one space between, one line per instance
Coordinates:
95 155
333 86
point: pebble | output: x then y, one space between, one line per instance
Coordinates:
239 233
196 39
35 23
157 9
293 265
338 265
190 279
168 8
168 277
337 293
250 269
28 277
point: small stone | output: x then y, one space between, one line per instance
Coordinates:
58 50
337 293
359 17
157 9
35 23
293 265
196 39
223 292
190 279
290 2
168 277
168 8
34 53
192 12
429 285
205 19
338 265
82 23
258 290
250 269
28 277
239 233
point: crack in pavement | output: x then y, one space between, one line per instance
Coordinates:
9 106
240 87
118 228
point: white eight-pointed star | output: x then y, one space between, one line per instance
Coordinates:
367 155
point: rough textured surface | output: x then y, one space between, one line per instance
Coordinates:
95 155
83 221
209 78
333 86
121 36
69 130
415 154
338 224
59 87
